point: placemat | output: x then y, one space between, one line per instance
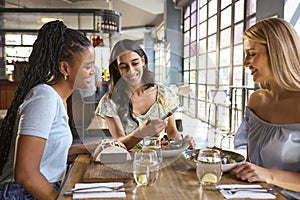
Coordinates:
98 172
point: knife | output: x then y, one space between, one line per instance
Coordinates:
92 191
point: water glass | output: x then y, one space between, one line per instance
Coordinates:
153 143
145 167
209 167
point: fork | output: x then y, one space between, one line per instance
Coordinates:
232 191
114 188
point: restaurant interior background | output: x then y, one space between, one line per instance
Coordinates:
194 46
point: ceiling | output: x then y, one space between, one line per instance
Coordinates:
135 14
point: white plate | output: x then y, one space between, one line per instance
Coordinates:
166 153
186 155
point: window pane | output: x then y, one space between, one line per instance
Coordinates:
29 39
193 49
202 30
211 62
212 8
211 76
225 57
225 3
186 51
186 76
186 64
212 43
250 22
237 75
239 11
193 19
212 25
187 24
186 38
224 76
201 93
193 33
202 45
202 2
225 38
226 17
14 39
203 14
238 55
187 12
202 61
193 77
251 7
201 76
193 63
193 6
238 33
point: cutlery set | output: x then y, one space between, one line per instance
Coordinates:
232 191
245 191
120 188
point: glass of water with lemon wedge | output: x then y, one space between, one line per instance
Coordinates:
145 167
209 167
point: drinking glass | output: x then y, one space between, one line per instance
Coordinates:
209 167
153 143
145 167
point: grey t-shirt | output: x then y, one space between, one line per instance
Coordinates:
42 114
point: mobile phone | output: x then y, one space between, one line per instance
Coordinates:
169 113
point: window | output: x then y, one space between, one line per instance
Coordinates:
220 57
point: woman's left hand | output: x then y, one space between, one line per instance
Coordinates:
252 173
190 140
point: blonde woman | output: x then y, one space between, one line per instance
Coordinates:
271 127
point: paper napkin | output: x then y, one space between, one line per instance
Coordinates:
99 192
252 194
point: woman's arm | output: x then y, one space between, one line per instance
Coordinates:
29 151
173 133
148 128
253 173
83 148
171 129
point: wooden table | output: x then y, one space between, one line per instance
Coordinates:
176 181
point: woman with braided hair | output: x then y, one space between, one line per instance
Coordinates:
35 136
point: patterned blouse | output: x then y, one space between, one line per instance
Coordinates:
166 100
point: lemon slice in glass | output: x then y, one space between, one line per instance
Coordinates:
142 179
209 178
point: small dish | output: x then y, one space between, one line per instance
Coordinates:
169 151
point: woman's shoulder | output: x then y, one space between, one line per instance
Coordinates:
167 97
43 91
165 90
258 97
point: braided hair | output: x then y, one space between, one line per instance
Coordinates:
118 90
55 43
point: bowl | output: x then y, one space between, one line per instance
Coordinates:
232 159
174 150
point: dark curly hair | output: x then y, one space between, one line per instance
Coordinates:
55 43
118 94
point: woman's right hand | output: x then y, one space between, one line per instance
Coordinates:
152 127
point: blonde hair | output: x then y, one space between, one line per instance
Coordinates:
283 48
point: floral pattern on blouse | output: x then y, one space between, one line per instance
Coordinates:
166 101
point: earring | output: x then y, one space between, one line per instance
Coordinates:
65 77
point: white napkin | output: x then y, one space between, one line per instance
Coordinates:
94 193
244 194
